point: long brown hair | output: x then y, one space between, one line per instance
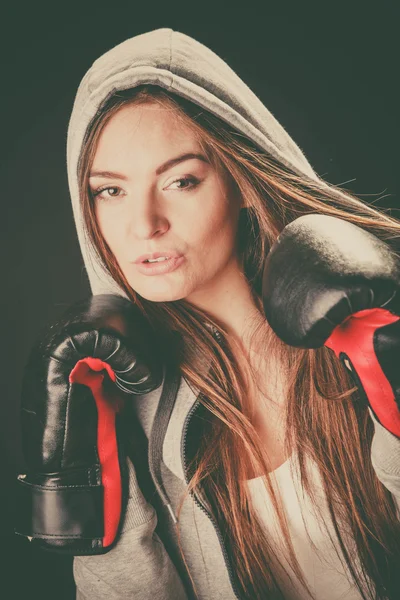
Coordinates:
325 419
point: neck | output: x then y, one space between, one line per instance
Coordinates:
251 341
229 300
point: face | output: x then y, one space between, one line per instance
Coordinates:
149 201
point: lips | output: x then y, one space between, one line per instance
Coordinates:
162 267
153 255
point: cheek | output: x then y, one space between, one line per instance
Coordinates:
215 230
111 230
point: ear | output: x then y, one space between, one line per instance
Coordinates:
241 200
243 203
235 193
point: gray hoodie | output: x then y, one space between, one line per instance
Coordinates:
146 564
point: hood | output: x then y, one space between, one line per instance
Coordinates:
177 63
184 66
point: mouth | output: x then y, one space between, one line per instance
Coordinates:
160 267
161 259
157 256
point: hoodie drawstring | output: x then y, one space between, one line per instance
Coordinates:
172 378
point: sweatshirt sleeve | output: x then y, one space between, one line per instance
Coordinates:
385 458
138 567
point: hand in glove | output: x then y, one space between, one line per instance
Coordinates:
329 282
74 493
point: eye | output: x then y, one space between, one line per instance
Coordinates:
99 192
189 182
193 181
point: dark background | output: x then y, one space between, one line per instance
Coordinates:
328 71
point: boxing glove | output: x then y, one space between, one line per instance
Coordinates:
78 377
328 282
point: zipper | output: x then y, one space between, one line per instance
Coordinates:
201 506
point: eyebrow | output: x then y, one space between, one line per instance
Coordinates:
161 169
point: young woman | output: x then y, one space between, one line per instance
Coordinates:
275 480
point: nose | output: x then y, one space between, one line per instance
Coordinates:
146 220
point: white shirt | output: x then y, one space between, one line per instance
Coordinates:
325 575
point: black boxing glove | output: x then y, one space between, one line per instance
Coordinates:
74 493
329 282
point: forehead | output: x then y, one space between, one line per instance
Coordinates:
143 128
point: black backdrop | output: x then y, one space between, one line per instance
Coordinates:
327 71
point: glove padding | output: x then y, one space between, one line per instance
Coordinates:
329 282
73 495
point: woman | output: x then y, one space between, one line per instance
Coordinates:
169 151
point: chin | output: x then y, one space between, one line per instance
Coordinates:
159 295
